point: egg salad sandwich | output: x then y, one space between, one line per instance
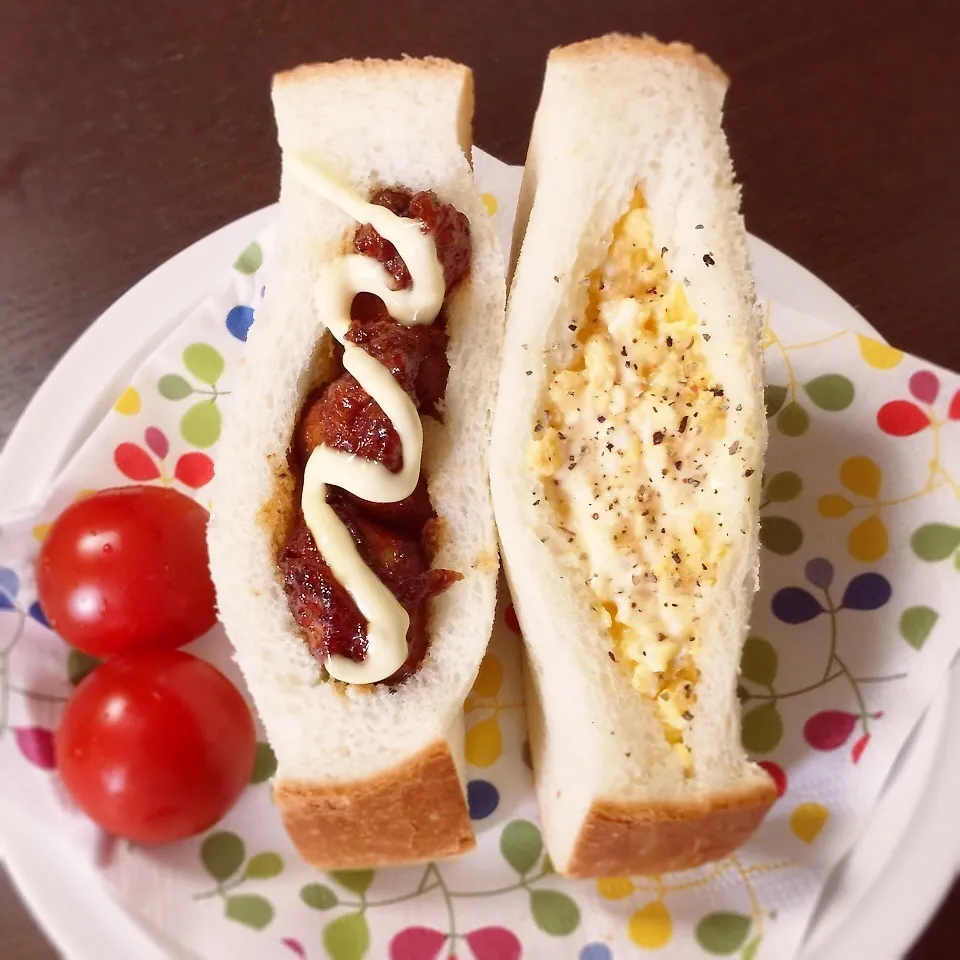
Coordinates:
352 540
628 446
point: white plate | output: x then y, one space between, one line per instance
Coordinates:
877 901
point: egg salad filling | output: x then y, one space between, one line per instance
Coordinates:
628 429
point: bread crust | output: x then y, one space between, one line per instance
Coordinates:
611 44
371 66
412 812
627 839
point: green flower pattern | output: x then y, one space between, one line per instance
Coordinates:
200 424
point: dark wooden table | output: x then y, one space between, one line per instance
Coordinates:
129 131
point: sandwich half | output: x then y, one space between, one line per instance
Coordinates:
352 540
627 455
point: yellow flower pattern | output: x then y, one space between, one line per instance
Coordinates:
650 925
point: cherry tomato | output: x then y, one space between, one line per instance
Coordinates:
127 569
156 745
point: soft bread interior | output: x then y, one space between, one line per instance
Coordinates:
615 115
374 123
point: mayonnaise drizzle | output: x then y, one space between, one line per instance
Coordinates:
387 621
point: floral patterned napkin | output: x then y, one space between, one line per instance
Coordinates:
850 639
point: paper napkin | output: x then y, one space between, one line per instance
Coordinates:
850 639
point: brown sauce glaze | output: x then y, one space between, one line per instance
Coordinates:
396 540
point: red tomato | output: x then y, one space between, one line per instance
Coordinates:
156 746
127 569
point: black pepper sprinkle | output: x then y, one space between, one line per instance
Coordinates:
687 715
601 419
529 373
708 260
663 250
658 438
706 337
562 437
538 428
717 391
678 463
611 656
699 226
683 424
692 481
571 326
623 351
596 516
669 341
536 503
556 279
676 556
609 446
734 447
749 473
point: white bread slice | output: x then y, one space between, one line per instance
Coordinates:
615 113
366 776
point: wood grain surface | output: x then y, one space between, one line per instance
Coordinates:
131 130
